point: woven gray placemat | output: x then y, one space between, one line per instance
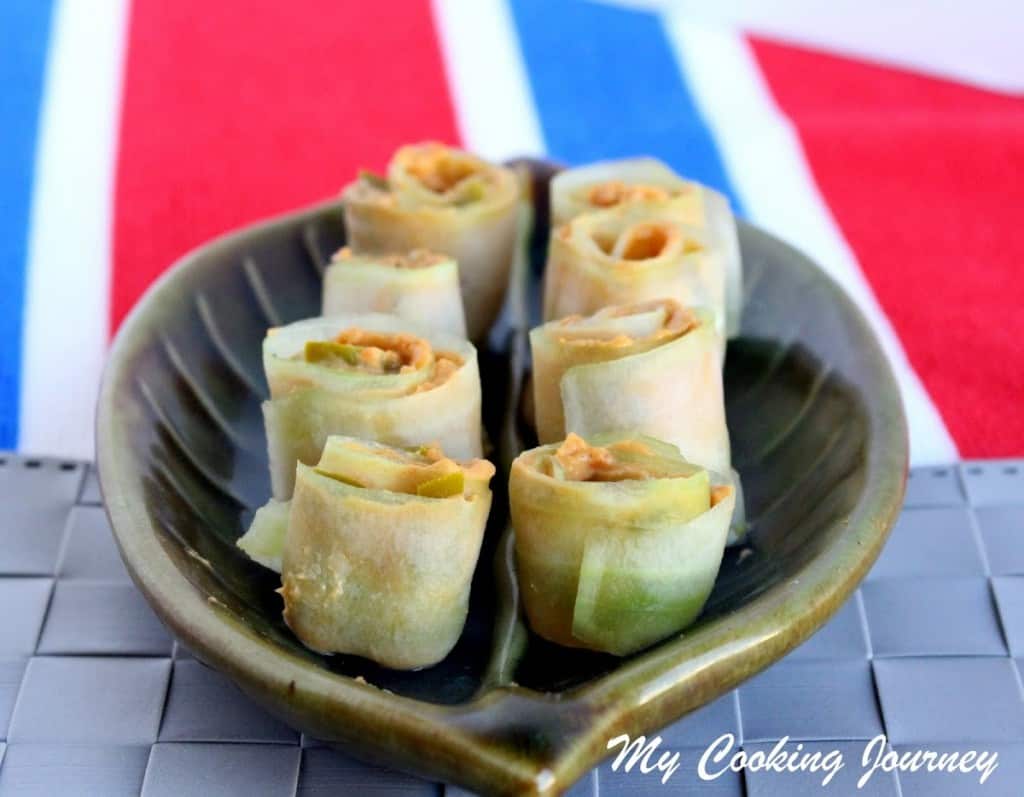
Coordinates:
95 697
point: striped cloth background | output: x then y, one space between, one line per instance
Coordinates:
133 130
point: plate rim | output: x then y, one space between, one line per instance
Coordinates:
682 676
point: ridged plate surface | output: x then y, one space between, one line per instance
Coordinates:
818 436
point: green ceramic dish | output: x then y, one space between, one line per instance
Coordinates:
818 434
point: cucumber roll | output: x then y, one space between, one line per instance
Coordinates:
377 550
418 285
445 200
618 541
651 367
614 183
371 376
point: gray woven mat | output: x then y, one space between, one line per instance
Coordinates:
95 698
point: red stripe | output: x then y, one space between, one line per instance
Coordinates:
237 109
924 178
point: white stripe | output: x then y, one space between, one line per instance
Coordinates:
976 43
69 246
495 109
763 155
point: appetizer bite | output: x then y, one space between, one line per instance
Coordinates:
371 376
377 550
614 183
653 367
445 200
618 541
419 286
632 253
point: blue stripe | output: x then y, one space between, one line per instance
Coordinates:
24 36
608 85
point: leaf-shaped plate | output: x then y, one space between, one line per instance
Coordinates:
818 435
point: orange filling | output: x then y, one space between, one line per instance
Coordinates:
432 454
385 353
478 469
719 493
645 241
605 242
642 241
438 168
445 365
415 258
582 462
382 352
614 192
679 321
396 353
